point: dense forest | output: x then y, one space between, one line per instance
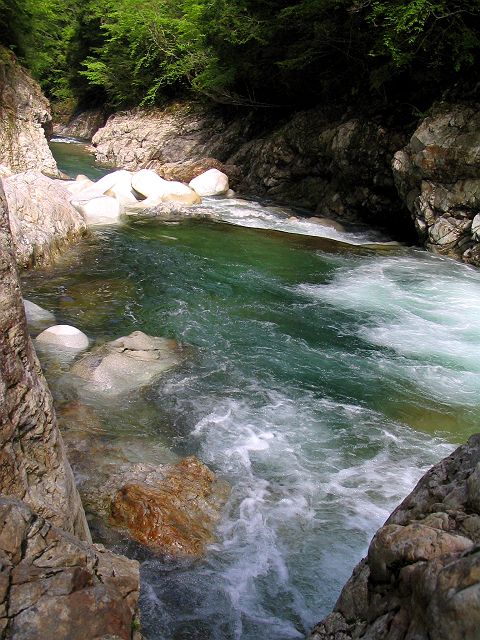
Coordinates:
246 52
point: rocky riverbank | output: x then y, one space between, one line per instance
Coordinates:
421 577
422 186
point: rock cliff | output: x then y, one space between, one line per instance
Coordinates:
53 583
81 125
42 220
437 175
333 166
24 117
421 577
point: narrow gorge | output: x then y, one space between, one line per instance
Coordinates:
239 357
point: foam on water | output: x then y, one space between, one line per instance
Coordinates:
247 213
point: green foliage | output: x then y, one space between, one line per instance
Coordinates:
258 52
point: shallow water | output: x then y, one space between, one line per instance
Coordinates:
322 380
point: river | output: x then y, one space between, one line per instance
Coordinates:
324 377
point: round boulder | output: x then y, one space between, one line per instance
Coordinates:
211 183
63 336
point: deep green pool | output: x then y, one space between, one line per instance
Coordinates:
322 381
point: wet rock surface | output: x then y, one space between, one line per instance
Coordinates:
421 577
437 174
24 116
42 219
54 586
126 364
171 509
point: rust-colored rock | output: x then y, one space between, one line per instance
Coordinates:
177 516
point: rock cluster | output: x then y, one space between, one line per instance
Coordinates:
336 167
421 577
437 174
53 583
24 117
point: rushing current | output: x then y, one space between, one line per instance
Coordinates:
324 377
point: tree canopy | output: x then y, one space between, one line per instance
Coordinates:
250 52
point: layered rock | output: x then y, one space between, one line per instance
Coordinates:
53 582
24 116
421 577
42 219
437 174
54 586
82 125
33 466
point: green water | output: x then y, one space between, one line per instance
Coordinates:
321 381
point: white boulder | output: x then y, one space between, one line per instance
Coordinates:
117 184
99 210
211 183
63 336
157 190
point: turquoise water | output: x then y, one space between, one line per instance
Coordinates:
322 380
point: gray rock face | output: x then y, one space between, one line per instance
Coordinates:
42 219
82 125
437 174
54 586
24 113
33 465
421 578
337 168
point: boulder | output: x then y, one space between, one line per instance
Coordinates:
42 219
155 189
421 577
211 183
119 185
37 317
98 210
172 509
24 116
185 171
436 174
126 364
62 336
52 585
167 211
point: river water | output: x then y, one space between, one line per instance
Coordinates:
324 377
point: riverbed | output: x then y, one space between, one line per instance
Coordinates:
326 372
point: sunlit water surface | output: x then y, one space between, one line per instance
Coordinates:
322 380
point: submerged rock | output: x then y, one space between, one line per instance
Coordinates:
171 509
327 222
37 317
129 363
421 578
54 586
